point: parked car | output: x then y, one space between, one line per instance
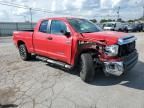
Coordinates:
139 27
75 43
109 26
134 27
115 26
124 27
130 27
143 27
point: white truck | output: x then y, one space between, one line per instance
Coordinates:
114 26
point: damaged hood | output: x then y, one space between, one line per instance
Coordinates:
109 36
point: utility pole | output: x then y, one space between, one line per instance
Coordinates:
24 18
143 9
118 13
30 9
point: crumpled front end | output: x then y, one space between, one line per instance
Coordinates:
128 57
117 68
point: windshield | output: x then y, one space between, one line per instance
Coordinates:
83 25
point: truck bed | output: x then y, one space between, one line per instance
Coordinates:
29 30
26 36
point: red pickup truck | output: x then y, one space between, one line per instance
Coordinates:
78 43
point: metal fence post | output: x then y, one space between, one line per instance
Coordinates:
17 27
0 31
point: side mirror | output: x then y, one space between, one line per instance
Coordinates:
66 33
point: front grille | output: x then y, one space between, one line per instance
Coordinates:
126 49
130 60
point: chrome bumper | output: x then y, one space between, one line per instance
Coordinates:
114 68
118 68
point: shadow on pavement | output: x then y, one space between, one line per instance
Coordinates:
133 79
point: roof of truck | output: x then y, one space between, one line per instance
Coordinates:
62 18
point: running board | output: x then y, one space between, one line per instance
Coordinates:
44 59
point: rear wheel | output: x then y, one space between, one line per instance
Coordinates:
86 68
24 52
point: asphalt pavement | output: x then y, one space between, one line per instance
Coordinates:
35 84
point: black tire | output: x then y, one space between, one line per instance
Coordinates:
127 31
24 52
120 30
86 68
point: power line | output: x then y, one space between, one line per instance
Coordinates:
64 12
143 11
42 10
46 11
23 17
11 4
24 7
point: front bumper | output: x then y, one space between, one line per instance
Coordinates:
114 68
118 68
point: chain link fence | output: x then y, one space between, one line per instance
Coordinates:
7 28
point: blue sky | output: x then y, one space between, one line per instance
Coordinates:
129 9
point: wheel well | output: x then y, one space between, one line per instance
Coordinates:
91 51
88 51
20 42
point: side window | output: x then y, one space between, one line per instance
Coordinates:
115 25
44 26
58 27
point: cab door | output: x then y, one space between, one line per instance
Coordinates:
60 45
41 39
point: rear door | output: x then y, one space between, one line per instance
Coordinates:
60 45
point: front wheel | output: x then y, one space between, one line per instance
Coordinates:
86 68
24 53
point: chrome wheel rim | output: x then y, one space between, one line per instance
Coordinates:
22 51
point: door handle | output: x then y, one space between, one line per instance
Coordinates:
68 42
49 38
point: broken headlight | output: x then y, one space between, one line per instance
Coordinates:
112 50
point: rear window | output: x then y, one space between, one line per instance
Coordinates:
44 26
